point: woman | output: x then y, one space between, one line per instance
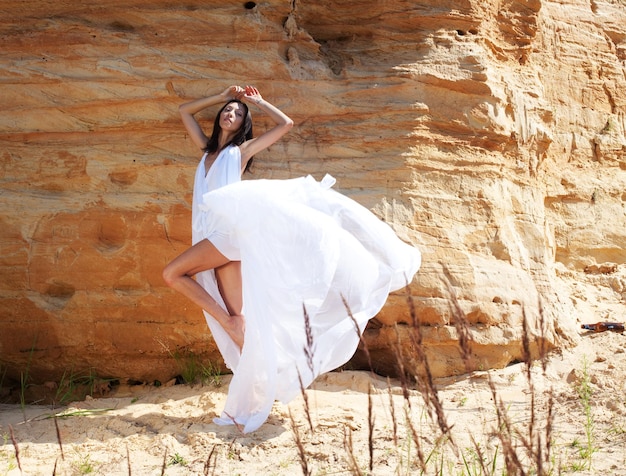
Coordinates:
232 128
304 264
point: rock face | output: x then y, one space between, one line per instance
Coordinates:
488 133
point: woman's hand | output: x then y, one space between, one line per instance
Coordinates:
252 94
233 92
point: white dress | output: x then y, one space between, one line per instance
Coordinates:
302 246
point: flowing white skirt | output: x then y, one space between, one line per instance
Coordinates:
305 250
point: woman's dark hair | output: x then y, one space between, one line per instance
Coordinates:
243 134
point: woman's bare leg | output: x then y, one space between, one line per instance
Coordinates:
228 279
178 275
229 284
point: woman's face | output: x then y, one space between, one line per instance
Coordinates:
232 117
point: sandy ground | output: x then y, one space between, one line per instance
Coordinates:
169 430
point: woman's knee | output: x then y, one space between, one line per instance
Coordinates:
170 276
200 257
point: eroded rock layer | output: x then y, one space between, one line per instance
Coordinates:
488 133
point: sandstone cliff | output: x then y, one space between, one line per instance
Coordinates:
488 133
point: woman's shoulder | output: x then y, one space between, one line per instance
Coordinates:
229 150
228 153
233 149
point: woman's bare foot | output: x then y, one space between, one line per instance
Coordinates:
235 328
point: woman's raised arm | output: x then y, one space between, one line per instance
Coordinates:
283 124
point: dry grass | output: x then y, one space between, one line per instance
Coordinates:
521 450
